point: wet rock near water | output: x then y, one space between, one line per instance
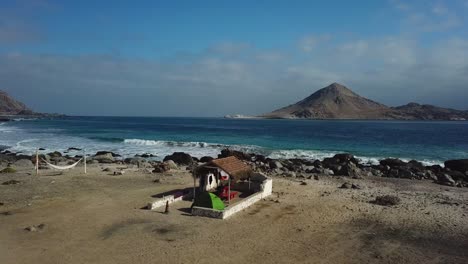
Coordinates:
180 158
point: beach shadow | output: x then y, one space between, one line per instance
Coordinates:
176 193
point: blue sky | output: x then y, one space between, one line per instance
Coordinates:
167 57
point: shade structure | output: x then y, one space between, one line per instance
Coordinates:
208 200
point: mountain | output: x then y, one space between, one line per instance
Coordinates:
10 106
336 101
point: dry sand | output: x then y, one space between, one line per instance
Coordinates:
96 218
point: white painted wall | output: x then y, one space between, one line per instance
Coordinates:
162 201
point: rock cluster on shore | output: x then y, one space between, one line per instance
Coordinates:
454 173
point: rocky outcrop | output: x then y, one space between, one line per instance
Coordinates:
10 106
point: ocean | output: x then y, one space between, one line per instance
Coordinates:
429 142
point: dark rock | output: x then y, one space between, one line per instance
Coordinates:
274 164
180 158
104 158
206 159
238 154
303 183
355 186
457 175
74 149
460 165
392 163
42 149
55 154
11 182
351 170
99 153
445 179
346 185
259 158
387 200
346 158
147 155
416 166
161 168
405 173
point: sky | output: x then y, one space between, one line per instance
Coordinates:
212 58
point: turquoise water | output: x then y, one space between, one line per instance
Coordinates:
431 142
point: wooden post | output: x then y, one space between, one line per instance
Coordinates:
229 189
37 162
84 158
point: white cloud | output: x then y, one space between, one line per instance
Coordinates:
309 43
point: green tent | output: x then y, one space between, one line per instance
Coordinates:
208 200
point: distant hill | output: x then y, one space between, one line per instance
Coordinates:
336 101
10 106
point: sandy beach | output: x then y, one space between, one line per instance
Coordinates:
98 218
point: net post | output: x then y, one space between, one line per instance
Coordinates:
84 159
37 162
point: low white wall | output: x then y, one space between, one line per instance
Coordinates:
162 201
207 212
266 190
267 187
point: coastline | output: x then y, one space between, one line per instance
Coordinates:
451 173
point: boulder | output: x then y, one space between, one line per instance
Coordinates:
457 176
171 164
274 164
180 158
99 153
161 167
351 170
460 165
416 166
23 163
55 154
392 163
346 185
406 173
238 154
206 159
445 179
104 158
345 158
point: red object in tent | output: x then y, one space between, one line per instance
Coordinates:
225 193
